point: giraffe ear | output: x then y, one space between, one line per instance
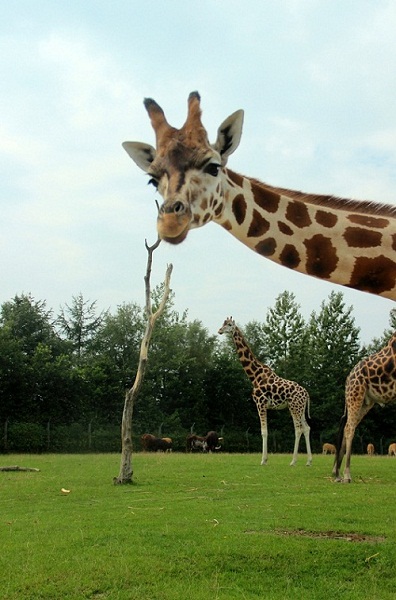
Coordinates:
142 154
229 135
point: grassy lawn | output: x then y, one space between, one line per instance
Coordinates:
197 526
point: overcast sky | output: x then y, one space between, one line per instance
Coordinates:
317 81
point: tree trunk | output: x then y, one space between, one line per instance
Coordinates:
126 470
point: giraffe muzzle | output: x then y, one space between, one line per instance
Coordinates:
173 222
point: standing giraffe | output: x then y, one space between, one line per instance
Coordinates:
342 241
272 392
370 449
392 450
371 381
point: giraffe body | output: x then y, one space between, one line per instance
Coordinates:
271 392
328 449
392 450
372 381
370 449
341 241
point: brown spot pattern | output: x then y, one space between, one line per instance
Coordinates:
258 226
235 178
357 237
369 221
266 247
321 256
297 213
267 200
284 228
374 275
289 257
325 218
239 208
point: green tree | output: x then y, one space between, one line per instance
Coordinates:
180 356
333 351
28 321
79 323
110 366
280 341
34 371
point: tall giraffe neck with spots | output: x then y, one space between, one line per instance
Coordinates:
272 392
341 241
253 368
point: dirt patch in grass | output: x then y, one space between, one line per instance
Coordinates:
329 535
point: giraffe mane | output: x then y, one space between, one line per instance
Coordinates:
348 204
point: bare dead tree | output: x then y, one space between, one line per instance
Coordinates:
126 470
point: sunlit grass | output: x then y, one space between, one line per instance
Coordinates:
196 525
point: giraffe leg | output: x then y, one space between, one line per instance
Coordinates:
340 448
350 428
338 460
356 409
306 431
301 427
297 436
264 433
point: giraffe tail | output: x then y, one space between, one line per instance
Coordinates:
309 407
340 435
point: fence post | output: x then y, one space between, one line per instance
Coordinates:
247 439
48 435
6 435
90 435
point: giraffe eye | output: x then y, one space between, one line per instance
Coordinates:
153 181
212 169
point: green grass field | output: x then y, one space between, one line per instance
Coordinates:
197 526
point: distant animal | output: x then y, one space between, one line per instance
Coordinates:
370 449
328 449
272 392
207 443
195 443
212 441
150 443
371 381
392 450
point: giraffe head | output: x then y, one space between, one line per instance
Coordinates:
186 169
228 326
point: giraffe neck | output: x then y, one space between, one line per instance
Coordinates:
249 362
340 241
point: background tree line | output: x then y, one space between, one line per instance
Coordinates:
63 377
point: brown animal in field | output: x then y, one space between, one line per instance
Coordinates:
370 449
195 443
150 443
392 450
212 441
328 449
207 443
